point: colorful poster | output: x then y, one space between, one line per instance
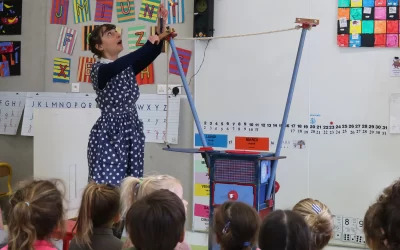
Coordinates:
66 40
10 58
146 76
104 11
149 10
136 37
81 11
184 56
368 23
125 10
59 12
61 70
84 67
201 198
176 11
10 17
86 30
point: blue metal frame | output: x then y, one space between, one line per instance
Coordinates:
208 155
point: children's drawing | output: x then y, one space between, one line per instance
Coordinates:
368 23
146 76
84 66
184 57
10 58
136 37
81 11
176 11
10 17
103 11
66 40
86 30
149 10
125 10
59 12
61 70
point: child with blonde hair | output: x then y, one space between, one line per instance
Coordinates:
133 189
382 220
319 219
36 211
99 210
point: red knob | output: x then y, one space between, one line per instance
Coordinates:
233 195
277 186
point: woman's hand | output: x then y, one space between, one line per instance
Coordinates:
154 39
163 13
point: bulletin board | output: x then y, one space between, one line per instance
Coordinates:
338 146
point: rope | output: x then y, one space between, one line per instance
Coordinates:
240 35
167 95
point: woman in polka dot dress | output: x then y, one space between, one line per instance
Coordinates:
116 141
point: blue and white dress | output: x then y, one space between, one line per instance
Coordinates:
116 141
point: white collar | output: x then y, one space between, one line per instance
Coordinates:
105 60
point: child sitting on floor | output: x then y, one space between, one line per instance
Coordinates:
382 220
319 219
36 211
157 221
284 230
100 208
236 226
134 189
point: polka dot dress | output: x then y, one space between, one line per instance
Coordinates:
116 141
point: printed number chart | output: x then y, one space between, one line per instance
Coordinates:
152 110
368 23
11 107
53 100
348 229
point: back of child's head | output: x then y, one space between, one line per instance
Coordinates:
284 230
156 221
319 219
382 220
133 188
236 225
100 207
36 211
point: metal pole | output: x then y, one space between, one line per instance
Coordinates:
188 94
286 113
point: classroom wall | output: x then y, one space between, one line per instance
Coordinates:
38 51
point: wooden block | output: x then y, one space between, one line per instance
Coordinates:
312 22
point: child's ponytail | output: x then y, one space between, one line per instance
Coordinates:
36 211
129 192
100 205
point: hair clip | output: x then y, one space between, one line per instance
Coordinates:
226 228
246 244
27 203
317 209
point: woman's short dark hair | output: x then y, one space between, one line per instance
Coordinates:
284 230
156 221
95 37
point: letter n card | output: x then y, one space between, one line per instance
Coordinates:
84 67
184 57
61 70
149 10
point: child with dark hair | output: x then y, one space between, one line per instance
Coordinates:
116 141
156 221
319 218
100 208
284 230
382 220
36 211
236 226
